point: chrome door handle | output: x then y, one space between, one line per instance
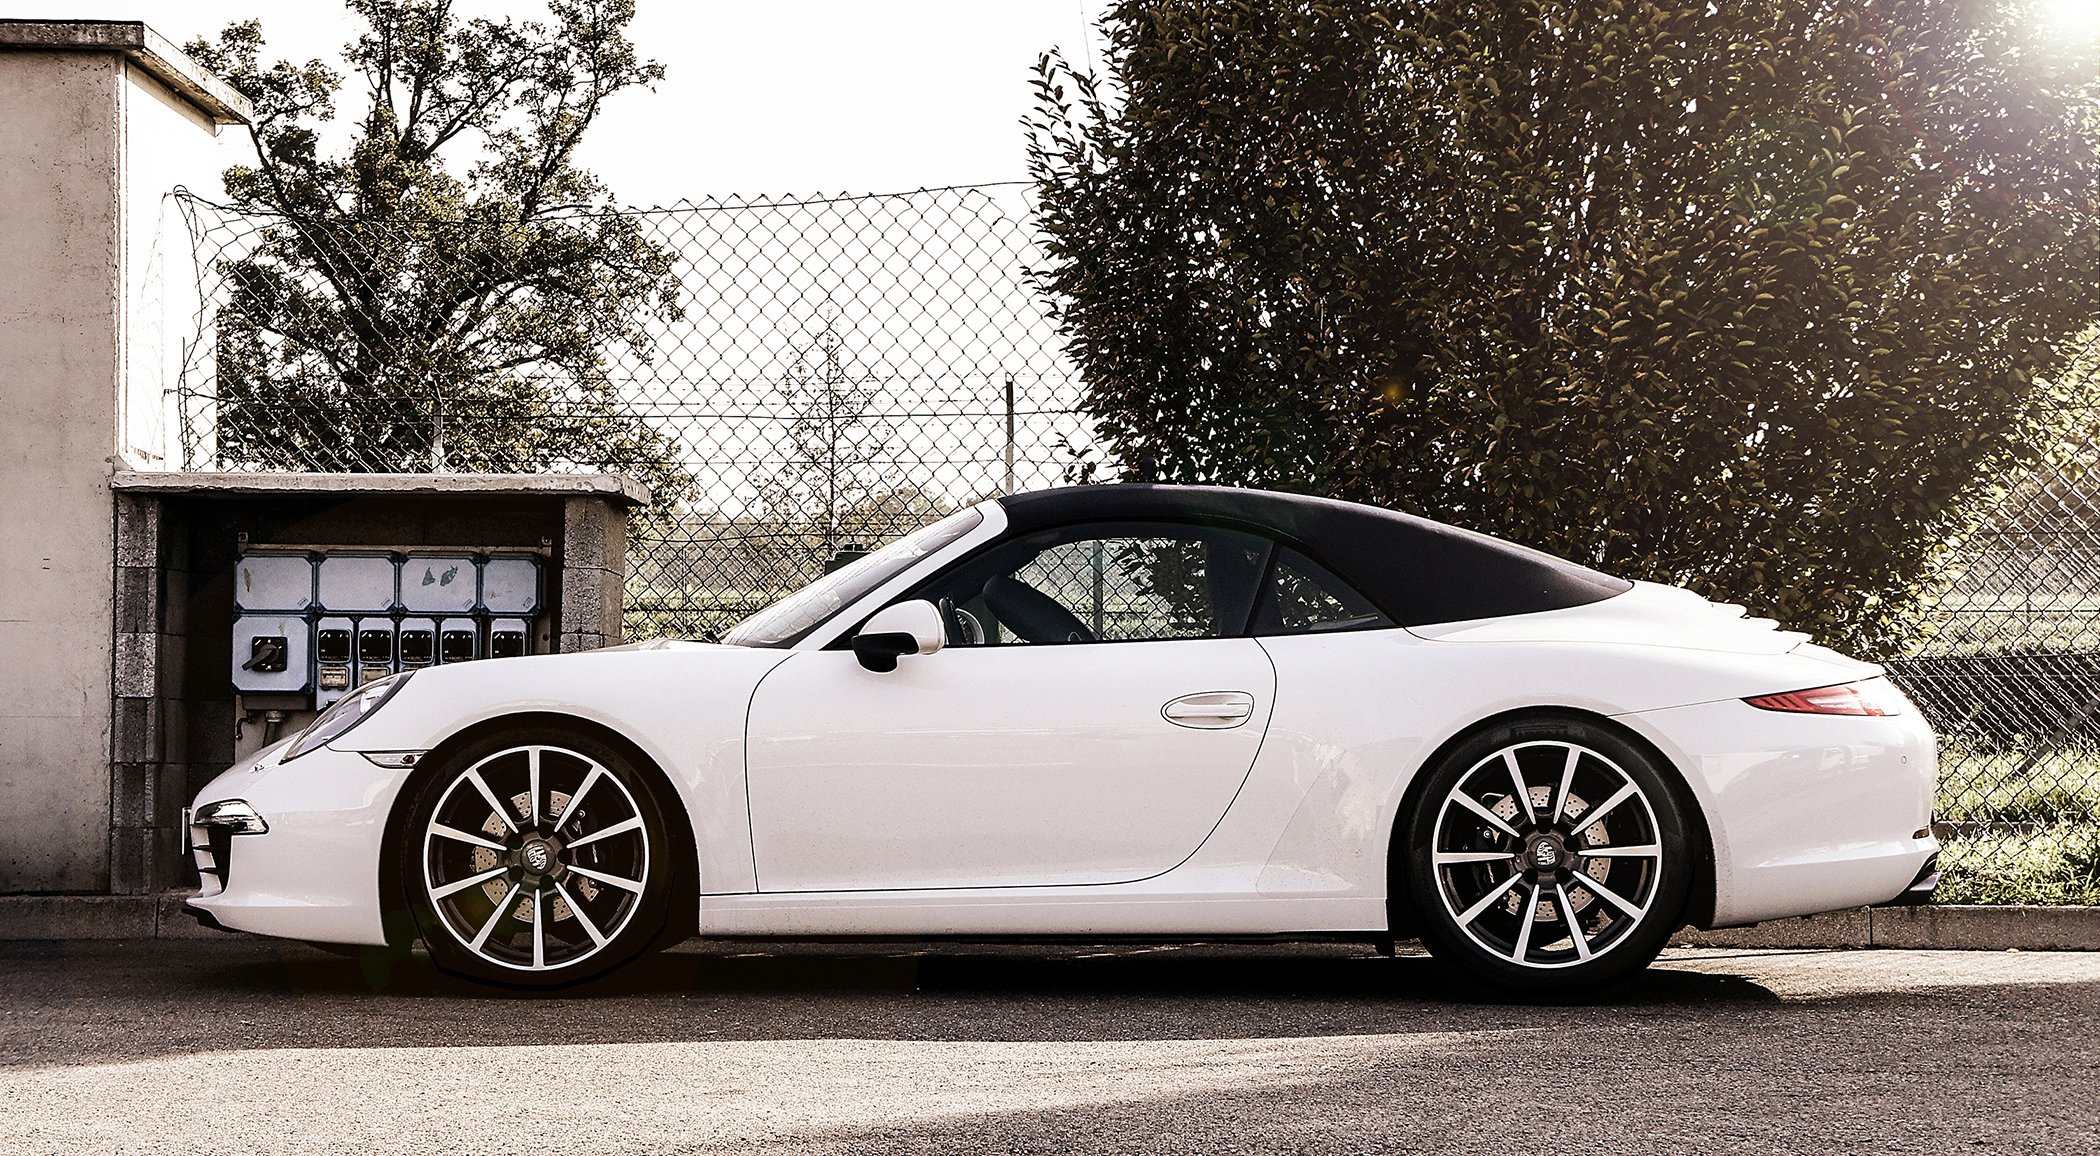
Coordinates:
1210 710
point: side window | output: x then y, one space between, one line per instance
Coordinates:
1303 597
1107 582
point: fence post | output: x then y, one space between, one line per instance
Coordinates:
1009 433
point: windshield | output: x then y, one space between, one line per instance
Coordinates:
786 621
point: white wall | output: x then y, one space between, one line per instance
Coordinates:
166 144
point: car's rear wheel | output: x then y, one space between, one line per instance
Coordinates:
1548 857
536 858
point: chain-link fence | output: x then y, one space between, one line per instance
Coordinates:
797 379
793 378
2007 667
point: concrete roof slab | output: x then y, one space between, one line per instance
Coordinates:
152 51
617 488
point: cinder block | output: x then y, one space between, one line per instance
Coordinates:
175 589
137 673
138 530
138 736
615 552
211 734
591 601
165 848
174 730
132 787
575 640
139 601
171 783
584 537
131 861
171 651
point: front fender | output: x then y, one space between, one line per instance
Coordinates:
684 706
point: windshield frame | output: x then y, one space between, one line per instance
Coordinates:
869 580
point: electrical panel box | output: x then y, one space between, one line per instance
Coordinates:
439 585
312 626
270 653
355 583
278 582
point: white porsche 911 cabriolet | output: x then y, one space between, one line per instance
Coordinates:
1108 711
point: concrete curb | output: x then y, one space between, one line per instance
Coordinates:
99 917
1949 928
1923 928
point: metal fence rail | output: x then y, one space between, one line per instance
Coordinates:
794 378
800 378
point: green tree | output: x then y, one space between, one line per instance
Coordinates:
400 313
1762 297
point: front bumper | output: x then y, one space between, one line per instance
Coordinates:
314 873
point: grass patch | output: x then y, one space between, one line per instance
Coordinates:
2057 865
1994 788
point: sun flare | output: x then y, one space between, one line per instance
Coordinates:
2071 19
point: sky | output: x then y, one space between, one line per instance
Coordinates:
762 96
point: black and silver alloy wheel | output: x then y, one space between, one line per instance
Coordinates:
536 861
1548 862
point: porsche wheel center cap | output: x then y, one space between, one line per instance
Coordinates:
1546 853
537 857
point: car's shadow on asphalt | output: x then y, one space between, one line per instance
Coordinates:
88 1002
1218 974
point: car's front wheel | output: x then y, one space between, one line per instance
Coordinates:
536 858
1548 856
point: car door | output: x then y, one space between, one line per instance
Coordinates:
1094 717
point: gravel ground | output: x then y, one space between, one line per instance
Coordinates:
246 1045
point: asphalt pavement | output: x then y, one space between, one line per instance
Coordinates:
239 1045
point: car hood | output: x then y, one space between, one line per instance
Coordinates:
1647 615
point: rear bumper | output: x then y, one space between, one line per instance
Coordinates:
1805 813
1919 893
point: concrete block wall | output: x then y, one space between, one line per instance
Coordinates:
594 573
149 777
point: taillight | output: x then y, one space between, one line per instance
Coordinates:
1873 696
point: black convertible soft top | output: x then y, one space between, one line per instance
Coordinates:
1418 572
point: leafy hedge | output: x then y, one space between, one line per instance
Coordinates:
1761 297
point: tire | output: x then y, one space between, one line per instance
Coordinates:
536 857
1495 873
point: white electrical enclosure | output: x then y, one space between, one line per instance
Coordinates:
357 584
270 654
438 585
274 582
510 586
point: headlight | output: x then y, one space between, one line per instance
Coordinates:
348 711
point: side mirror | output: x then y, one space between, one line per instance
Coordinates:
895 631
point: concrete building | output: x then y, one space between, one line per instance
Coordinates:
97 123
117 568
